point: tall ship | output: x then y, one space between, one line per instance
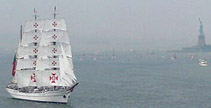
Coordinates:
42 67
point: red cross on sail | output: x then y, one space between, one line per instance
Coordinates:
35 50
54 24
54 50
54 36
35 37
35 25
33 77
54 63
35 63
53 78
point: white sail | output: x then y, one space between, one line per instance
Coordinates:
26 64
55 24
66 70
30 37
34 25
50 63
26 51
68 65
67 79
48 78
54 36
70 62
55 50
26 78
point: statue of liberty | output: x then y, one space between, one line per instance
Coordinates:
201 27
201 37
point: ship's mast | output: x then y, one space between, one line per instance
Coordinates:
54 14
21 32
35 14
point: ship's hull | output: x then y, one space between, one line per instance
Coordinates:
202 64
50 96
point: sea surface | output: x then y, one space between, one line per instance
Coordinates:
128 80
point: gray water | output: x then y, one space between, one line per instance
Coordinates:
127 82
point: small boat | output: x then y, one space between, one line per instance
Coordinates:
191 57
202 62
174 57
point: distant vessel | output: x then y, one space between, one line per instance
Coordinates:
202 62
174 57
42 67
114 55
191 57
95 59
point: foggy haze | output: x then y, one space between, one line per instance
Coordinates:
118 24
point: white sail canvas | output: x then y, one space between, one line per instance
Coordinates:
54 51
26 63
26 51
32 25
66 68
54 36
30 37
48 78
26 78
67 80
50 63
58 24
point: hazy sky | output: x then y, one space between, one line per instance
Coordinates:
119 24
